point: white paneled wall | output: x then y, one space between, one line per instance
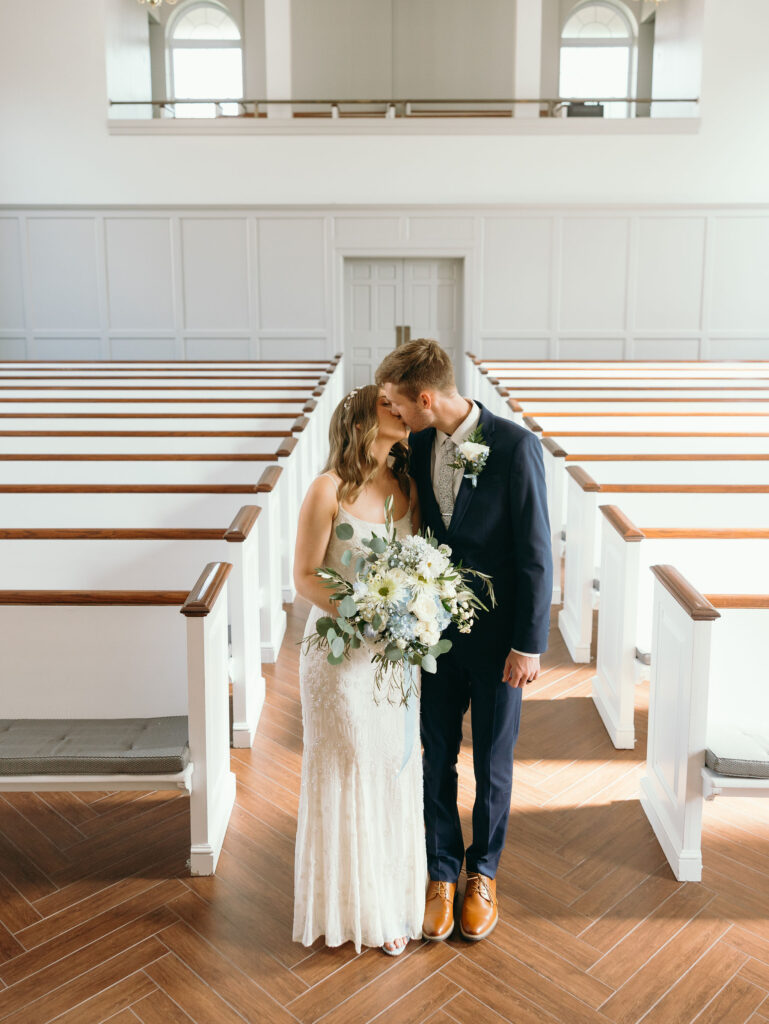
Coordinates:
560 282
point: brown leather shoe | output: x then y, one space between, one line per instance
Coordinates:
479 909
439 911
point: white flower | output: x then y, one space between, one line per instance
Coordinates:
423 606
472 451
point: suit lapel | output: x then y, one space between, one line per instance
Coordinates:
466 489
422 446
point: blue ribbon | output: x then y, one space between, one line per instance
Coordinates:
410 720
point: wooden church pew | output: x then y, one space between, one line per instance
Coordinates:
733 556
79 663
704 703
165 507
680 496
141 558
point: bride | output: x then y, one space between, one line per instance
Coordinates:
360 868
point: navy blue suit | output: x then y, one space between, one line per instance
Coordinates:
500 527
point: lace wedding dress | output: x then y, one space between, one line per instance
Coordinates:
360 868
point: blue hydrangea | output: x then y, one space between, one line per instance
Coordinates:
402 626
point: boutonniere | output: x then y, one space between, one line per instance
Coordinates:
471 456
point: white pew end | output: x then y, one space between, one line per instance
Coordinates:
88 655
708 672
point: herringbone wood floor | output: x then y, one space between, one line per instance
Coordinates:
99 920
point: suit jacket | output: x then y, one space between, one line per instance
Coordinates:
501 527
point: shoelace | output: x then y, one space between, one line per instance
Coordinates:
477 885
442 890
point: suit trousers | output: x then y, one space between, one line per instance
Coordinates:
495 709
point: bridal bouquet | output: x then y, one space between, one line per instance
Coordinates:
405 593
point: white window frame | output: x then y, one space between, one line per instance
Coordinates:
630 43
198 44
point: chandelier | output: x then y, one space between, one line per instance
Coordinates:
157 3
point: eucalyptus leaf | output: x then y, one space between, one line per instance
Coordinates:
334 660
378 545
429 664
376 622
354 642
344 531
348 607
360 562
345 626
346 556
331 634
433 541
324 624
393 653
337 647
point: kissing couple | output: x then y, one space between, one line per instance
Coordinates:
379 845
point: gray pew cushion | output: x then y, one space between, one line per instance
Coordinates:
742 752
99 746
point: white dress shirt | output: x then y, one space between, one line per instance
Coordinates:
460 435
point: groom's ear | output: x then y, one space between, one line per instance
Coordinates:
425 399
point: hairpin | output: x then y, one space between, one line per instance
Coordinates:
349 398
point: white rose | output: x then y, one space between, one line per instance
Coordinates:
423 606
473 451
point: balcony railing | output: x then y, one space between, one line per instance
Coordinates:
402 108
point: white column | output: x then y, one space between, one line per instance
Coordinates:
527 63
277 49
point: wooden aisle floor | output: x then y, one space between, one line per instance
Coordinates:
99 920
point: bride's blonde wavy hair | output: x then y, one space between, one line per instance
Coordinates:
351 434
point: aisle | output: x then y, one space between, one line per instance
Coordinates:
97 915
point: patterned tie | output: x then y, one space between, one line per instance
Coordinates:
445 480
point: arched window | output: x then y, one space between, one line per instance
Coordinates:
205 59
598 47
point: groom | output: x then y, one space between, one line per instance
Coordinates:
500 527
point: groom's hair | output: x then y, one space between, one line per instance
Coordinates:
417 366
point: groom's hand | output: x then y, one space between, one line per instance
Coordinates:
520 669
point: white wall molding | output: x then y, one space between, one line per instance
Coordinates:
559 281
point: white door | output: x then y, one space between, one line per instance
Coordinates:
388 302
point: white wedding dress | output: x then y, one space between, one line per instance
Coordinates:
360 868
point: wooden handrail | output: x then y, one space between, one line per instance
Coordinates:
681 488
159 401
147 415
143 457
533 425
268 479
92 597
202 597
692 601
757 601
515 406
704 533
116 533
649 433
310 405
155 387
553 447
583 478
287 447
145 433
626 413
132 488
666 457
634 387
300 424
95 375
242 524
661 398
617 518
